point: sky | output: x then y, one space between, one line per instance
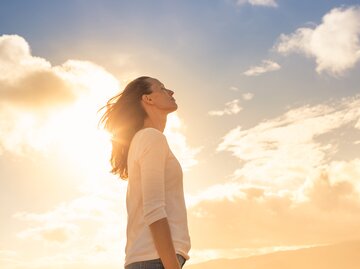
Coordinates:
267 130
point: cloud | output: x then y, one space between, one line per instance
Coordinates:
87 229
261 217
174 132
28 80
334 44
34 93
59 233
357 125
91 206
264 3
7 253
231 108
247 96
31 82
289 176
265 67
284 149
330 191
8 258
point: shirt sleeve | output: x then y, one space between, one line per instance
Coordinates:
152 159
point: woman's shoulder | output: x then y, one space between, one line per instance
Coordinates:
150 131
149 135
148 140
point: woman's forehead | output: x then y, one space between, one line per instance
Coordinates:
156 82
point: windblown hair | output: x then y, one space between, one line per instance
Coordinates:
124 116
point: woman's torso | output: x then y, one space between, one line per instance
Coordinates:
154 172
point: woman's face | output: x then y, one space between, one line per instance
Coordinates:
161 97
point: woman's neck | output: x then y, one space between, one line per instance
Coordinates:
157 123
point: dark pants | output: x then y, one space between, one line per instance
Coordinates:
153 264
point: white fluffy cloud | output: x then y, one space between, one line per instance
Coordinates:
231 107
31 82
285 149
34 93
334 44
265 3
265 67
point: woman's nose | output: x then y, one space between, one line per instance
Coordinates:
171 92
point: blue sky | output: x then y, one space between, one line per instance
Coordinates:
267 92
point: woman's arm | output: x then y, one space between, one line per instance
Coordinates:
152 161
160 231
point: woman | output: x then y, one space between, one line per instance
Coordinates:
157 230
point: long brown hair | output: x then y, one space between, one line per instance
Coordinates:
124 116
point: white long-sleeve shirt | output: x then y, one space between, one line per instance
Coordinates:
155 191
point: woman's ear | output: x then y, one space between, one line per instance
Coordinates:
146 98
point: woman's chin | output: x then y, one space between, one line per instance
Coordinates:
173 108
